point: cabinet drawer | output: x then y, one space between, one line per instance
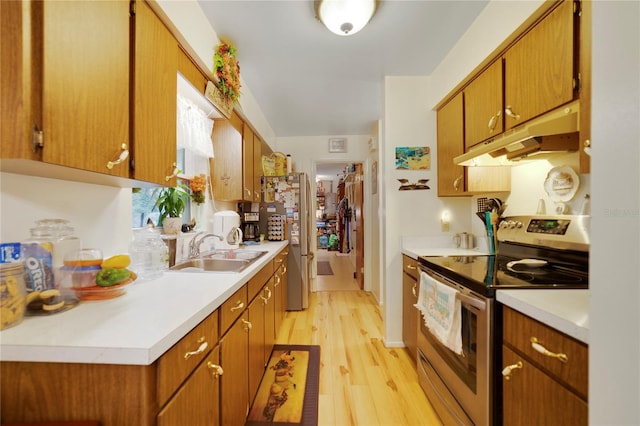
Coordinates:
410 266
232 308
179 361
520 330
531 397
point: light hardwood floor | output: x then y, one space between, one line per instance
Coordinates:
361 381
342 278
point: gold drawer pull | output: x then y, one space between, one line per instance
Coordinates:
277 283
247 324
201 348
411 267
506 372
493 121
539 348
216 370
124 154
239 305
413 289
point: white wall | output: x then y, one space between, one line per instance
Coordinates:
101 215
614 350
409 121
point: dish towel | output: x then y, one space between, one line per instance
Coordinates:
440 309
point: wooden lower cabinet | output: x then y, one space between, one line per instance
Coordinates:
541 388
197 402
410 315
269 318
256 314
234 383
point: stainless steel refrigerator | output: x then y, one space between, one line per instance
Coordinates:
290 197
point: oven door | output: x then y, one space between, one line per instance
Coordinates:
461 384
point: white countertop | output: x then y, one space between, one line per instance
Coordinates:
135 328
565 310
439 246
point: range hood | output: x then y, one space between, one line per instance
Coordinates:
556 131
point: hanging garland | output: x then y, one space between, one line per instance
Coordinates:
227 71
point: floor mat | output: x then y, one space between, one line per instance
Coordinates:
324 268
288 393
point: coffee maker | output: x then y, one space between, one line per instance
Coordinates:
251 227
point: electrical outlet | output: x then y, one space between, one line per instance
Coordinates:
445 226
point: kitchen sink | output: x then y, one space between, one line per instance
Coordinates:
220 261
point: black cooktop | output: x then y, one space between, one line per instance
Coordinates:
484 274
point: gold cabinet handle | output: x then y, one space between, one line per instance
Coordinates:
174 172
511 114
277 283
279 260
239 305
124 154
201 348
544 351
248 191
413 289
269 294
247 324
216 370
493 121
256 195
411 267
456 183
506 372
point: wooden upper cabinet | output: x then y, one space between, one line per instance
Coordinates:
191 72
539 68
228 163
155 69
85 84
257 168
483 115
247 159
450 123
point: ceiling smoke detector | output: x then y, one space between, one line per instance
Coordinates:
345 17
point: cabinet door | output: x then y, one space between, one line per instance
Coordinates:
155 70
450 122
278 299
247 161
530 397
483 106
85 84
410 315
257 169
268 293
234 391
197 402
227 164
539 73
256 314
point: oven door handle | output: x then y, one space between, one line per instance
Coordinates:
464 298
468 300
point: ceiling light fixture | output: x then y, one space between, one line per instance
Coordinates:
345 17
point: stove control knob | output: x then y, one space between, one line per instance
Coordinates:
519 224
511 224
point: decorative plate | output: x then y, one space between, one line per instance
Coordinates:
561 184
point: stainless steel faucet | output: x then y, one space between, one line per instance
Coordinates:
196 242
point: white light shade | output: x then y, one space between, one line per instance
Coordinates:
345 17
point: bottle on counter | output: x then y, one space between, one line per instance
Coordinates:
149 253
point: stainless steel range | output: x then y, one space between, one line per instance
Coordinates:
542 252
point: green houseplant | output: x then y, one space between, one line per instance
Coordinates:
171 203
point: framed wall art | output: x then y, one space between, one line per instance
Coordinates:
413 158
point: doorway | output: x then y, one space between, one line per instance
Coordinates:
339 237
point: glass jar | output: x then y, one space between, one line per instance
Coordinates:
13 294
63 238
149 254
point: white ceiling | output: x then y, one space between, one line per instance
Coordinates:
310 82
